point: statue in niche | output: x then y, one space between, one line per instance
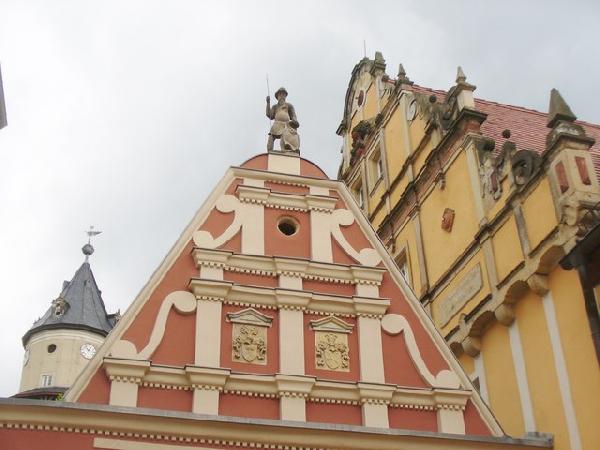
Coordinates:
285 123
489 179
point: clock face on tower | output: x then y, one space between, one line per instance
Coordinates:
87 351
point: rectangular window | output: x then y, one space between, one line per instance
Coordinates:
357 191
379 168
375 170
46 380
402 263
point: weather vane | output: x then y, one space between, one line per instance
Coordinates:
87 248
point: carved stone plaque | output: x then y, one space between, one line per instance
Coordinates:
331 351
467 288
249 340
249 344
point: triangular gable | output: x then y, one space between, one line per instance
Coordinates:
331 264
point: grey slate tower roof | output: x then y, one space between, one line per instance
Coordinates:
78 307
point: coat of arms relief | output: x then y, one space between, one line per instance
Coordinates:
250 344
249 340
332 351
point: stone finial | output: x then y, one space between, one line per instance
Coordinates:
558 109
402 78
460 75
378 67
401 71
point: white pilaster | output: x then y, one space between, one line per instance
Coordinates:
564 383
291 332
253 229
320 240
451 421
370 350
208 333
375 415
206 401
123 393
291 341
521 374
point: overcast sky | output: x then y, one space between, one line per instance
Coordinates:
124 114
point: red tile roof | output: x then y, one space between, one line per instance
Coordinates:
527 127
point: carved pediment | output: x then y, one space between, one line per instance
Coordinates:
331 324
250 316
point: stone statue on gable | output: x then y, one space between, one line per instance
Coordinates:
285 124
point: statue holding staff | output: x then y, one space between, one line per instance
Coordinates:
285 123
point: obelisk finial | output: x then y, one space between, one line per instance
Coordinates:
559 109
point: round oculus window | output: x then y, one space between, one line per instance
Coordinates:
51 348
288 226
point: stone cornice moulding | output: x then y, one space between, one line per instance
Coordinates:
127 424
250 316
273 266
282 200
331 323
206 377
301 385
287 298
275 386
126 369
527 276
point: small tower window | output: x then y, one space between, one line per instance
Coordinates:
51 348
46 380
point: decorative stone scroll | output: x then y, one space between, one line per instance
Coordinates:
249 340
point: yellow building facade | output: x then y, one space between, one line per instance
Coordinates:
483 206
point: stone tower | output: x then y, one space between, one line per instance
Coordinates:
66 337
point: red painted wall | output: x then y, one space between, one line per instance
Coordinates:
46 440
168 399
474 424
332 413
245 406
412 419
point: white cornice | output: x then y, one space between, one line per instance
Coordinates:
280 200
273 266
287 298
275 386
